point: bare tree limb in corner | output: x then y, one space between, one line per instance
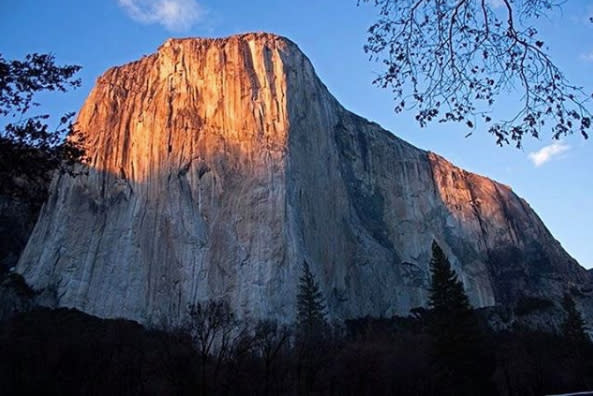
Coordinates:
451 60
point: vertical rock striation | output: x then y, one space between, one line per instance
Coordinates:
216 166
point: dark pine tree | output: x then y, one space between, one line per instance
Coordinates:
573 327
458 350
578 347
311 332
310 306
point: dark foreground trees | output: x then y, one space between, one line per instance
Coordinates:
573 326
65 352
451 60
442 350
312 343
30 147
310 306
214 332
456 334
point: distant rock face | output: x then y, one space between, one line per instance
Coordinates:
216 166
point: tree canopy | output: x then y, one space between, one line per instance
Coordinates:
29 147
451 60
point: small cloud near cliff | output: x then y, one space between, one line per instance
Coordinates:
174 15
588 57
547 153
496 3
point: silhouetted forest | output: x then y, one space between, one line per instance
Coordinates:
447 348
68 352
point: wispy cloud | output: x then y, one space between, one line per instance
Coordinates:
587 57
495 3
547 153
174 15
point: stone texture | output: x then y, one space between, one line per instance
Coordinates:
216 166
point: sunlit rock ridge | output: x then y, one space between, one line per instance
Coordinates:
217 166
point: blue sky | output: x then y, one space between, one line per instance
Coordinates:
98 34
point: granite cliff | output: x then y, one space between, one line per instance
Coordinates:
216 166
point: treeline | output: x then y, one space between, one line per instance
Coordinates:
445 349
65 352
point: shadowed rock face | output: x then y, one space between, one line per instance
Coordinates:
217 166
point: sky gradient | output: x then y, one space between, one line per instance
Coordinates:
553 176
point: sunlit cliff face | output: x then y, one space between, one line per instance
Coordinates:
217 166
199 99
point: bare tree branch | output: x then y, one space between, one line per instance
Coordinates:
451 60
